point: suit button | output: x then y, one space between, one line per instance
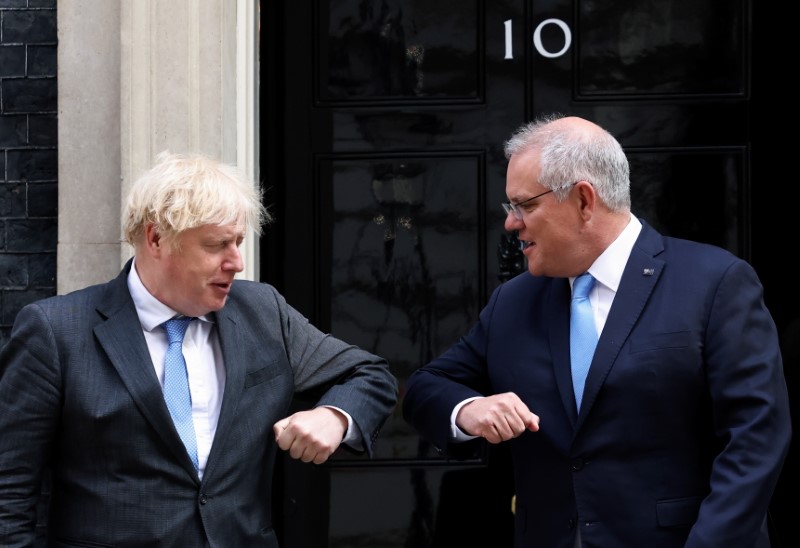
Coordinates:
577 465
203 498
571 523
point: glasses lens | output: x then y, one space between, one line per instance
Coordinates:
510 208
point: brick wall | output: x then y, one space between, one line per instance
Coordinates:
28 155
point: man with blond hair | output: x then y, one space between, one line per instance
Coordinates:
154 440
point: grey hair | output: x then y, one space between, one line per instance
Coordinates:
184 191
568 154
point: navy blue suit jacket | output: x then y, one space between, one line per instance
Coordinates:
684 424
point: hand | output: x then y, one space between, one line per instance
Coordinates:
497 418
311 436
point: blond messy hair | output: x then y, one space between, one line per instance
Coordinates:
184 191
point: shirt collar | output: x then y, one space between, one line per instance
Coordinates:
152 312
609 266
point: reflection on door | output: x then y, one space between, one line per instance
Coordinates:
382 130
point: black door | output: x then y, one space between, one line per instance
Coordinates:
382 124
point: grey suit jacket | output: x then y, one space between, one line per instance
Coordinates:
79 395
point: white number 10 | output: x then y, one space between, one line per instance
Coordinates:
537 38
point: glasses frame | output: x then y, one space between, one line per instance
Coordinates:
513 209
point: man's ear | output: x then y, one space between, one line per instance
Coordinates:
587 199
153 241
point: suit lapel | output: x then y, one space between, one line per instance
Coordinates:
122 338
639 278
232 345
559 300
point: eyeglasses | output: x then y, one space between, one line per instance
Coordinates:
515 210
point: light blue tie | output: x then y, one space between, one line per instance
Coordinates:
582 333
176 385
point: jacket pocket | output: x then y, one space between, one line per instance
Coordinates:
676 339
678 512
264 374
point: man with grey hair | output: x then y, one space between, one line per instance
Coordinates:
637 378
156 402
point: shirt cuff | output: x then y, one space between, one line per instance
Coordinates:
352 436
456 433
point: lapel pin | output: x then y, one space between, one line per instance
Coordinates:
649 271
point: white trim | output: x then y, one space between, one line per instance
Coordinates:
136 77
246 114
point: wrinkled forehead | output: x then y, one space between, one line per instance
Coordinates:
523 171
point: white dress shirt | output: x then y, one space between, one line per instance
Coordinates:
607 271
203 355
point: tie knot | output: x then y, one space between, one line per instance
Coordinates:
582 286
176 328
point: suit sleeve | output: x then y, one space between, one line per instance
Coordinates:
750 411
434 390
29 413
345 375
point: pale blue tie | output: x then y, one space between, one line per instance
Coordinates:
582 333
176 385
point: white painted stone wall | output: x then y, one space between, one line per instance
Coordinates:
136 77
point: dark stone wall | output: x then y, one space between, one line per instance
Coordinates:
28 155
